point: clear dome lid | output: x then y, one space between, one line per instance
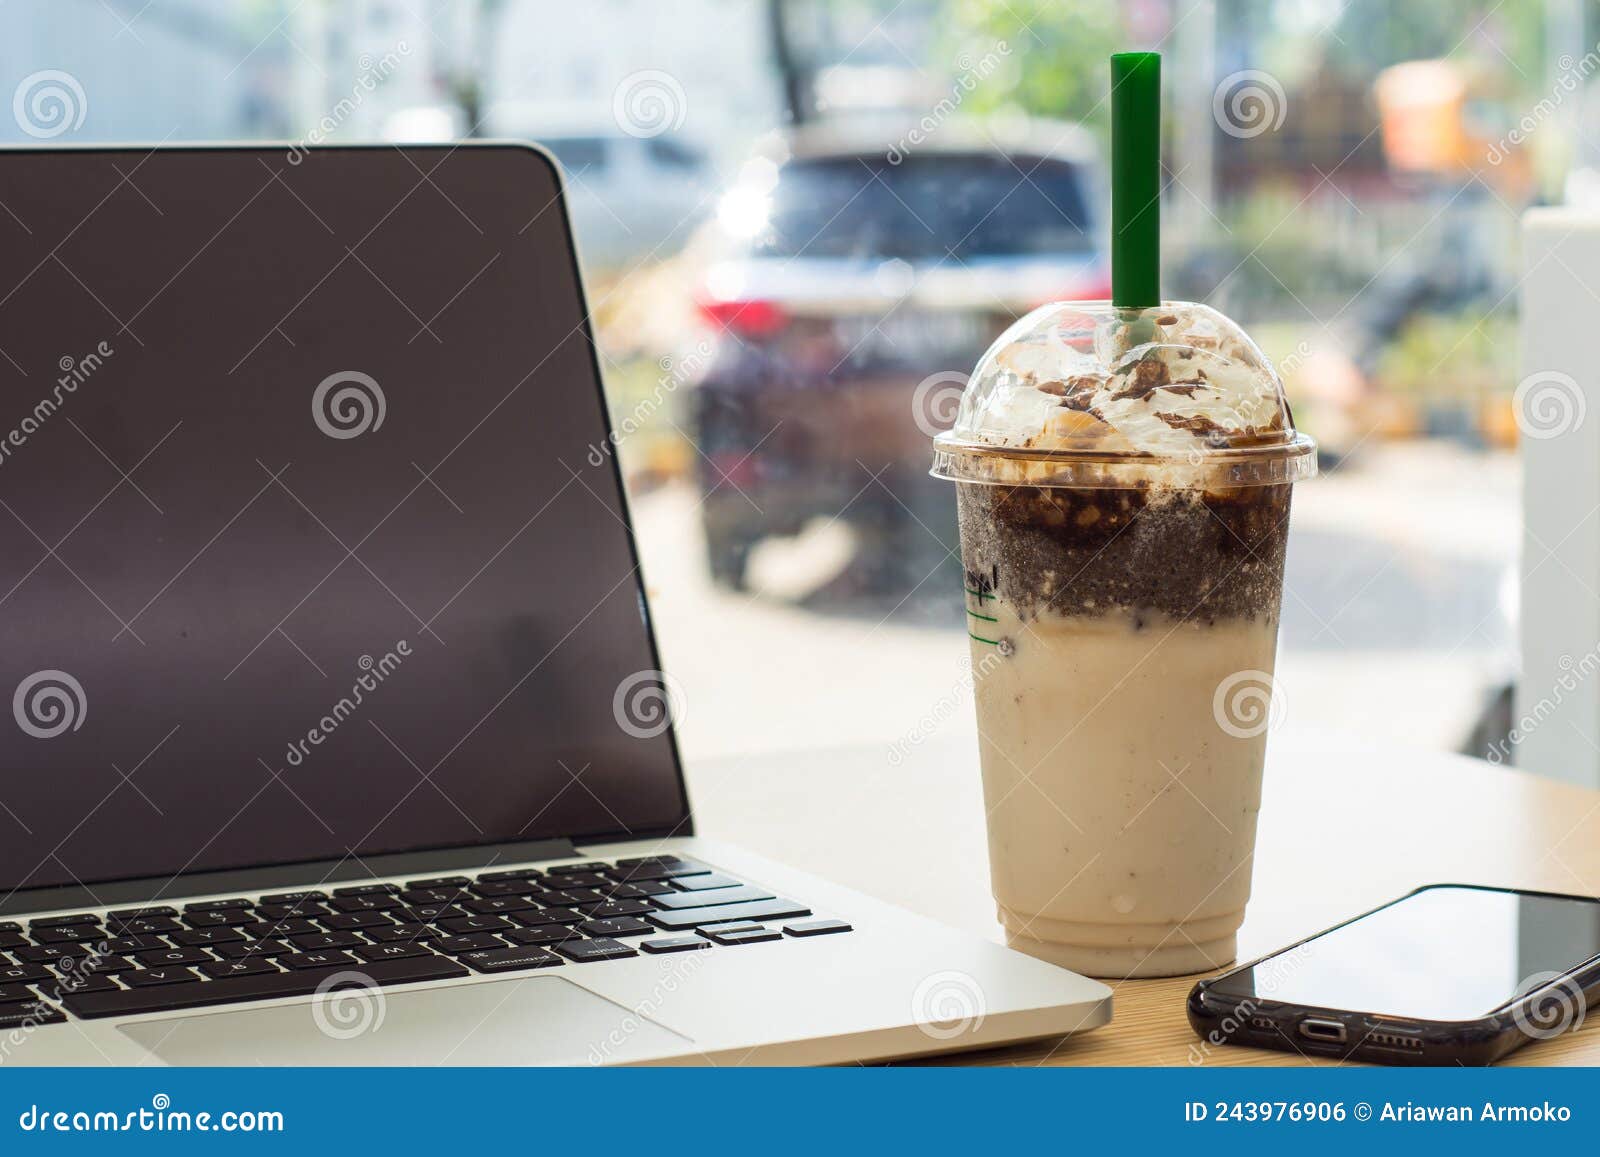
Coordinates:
1084 394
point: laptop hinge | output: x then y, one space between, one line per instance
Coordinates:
286 876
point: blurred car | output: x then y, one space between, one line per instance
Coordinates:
852 272
630 198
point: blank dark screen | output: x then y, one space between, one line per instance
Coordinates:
1445 953
182 536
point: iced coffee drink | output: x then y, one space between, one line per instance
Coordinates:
1123 482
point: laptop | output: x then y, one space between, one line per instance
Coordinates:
338 732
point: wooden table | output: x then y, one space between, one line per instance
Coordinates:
1343 829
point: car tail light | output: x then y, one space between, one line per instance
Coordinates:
746 318
1096 286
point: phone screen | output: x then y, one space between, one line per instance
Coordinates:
1444 953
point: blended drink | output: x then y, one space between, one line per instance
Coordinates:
1123 491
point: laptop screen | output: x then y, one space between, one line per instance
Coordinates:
312 544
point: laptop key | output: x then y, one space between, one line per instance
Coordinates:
492 905
69 934
514 887
218 905
76 982
620 926
428 913
395 951
121 914
245 949
641 891
464 924
318 941
472 942
15 993
60 921
585 951
542 935
705 883
171 956
145 926
365 890
218 917
294 926
263 987
674 944
366 902
662 871
450 882
431 895
350 921
22 1015
321 958
558 898
304 910
548 916
643 861
23 973
249 966
585 880
292 897
10 940
578 869
44 953
731 926
149 978
746 936
400 932
817 927
608 909
125 944
510 959
760 910
199 937
509 874
744 894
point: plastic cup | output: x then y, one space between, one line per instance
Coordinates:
1123 485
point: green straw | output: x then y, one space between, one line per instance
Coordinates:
1135 179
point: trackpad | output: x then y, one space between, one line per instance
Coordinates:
534 1020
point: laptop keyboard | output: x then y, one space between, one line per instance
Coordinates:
164 957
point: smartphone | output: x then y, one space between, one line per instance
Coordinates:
1450 974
